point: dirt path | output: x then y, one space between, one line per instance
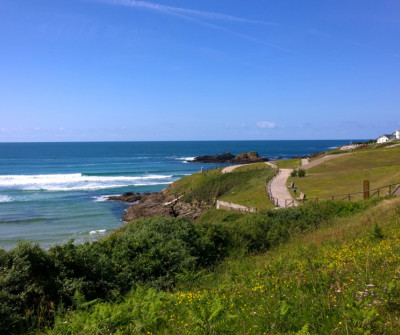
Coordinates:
233 167
321 160
229 168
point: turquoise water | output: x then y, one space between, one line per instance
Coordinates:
52 192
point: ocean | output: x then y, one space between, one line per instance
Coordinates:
53 192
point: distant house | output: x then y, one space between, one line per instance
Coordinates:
388 137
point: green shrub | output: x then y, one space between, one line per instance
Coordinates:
301 173
35 283
293 173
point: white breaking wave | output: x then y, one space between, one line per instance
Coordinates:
77 181
101 198
4 198
183 158
100 231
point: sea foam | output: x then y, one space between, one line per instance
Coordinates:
77 181
100 231
5 198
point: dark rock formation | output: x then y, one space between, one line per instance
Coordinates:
224 158
149 205
128 197
159 204
251 157
228 158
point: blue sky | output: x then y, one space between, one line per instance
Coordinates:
101 70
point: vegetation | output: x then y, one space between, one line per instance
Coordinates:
244 185
288 163
319 268
36 285
251 192
344 175
339 279
298 173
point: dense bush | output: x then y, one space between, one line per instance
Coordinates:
301 173
238 234
35 284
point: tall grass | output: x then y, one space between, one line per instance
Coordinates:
341 279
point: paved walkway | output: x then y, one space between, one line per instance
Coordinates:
304 161
279 190
278 186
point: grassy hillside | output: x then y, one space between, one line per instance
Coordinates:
288 163
244 185
345 174
341 279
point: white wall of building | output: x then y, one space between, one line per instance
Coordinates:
398 134
382 139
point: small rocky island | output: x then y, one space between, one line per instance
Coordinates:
228 158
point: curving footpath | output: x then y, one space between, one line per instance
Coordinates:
321 160
278 190
229 169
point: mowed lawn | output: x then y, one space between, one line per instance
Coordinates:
344 175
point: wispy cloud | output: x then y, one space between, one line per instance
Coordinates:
203 18
266 124
184 11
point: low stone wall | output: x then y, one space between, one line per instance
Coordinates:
235 207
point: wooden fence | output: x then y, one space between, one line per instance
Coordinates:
392 189
268 182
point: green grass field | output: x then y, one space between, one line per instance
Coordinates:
251 193
244 186
288 163
345 174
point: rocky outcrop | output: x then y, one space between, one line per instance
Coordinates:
224 158
228 158
128 197
246 158
158 204
149 205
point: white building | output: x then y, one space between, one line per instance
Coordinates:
388 137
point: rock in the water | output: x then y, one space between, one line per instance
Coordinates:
228 158
224 158
127 197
